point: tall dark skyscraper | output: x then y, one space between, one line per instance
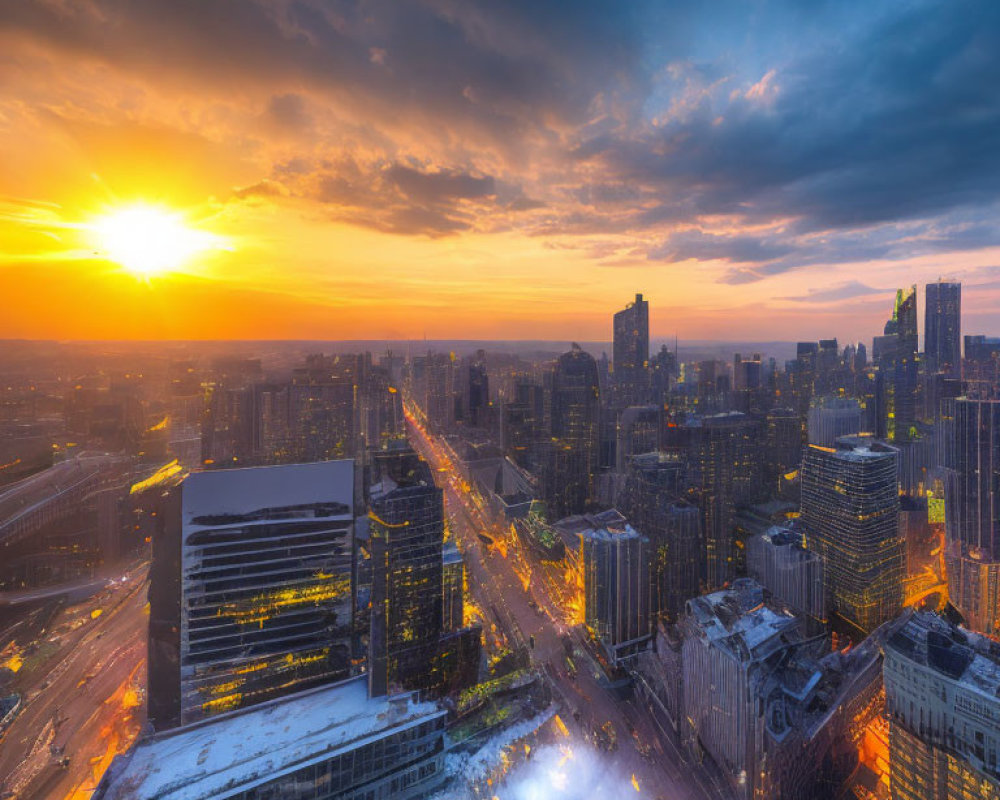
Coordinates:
631 353
850 502
727 473
477 392
943 329
654 501
252 594
898 370
573 447
406 528
973 515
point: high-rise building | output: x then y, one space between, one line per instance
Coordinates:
779 715
943 328
616 571
572 456
638 431
631 353
522 424
452 586
973 515
475 398
782 445
833 417
654 500
780 562
982 359
439 391
897 396
942 693
406 532
251 595
850 503
726 472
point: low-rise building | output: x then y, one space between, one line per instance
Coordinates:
325 743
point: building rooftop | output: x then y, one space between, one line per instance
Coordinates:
261 494
236 751
738 621
963 656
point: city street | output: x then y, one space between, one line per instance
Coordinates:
504 586
83 696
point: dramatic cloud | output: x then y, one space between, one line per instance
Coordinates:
770 148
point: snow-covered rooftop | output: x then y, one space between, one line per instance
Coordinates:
244 491
233 752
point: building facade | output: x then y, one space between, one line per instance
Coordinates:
252 592
572 451
779 561
631 353
942 690
943 328
616 571
972 509
406 534
329 743
850 503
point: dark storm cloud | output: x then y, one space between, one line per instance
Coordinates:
903 122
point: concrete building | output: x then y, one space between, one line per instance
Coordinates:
452 585
406 527
775 711
898 370
252 593
833 417
654 498
779 561
616 571
943 328
850 503
630 356
942 691
973 515
572 452
332 742
726 471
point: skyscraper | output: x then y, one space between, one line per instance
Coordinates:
898 370
653 499
251 594
616 570
973 515
726 471
631 353
943 329
573 447
406 528
851 503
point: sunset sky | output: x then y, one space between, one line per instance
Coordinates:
483 170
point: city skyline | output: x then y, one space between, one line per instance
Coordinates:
499 181
452 399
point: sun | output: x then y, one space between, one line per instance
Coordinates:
149 241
